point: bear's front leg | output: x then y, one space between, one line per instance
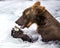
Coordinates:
15 32
18 33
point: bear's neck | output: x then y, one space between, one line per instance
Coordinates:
50 20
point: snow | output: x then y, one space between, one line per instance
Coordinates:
10 11
28 0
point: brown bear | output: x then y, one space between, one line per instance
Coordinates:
48 26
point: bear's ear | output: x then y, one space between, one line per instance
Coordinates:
37 4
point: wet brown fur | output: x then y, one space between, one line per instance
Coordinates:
48 26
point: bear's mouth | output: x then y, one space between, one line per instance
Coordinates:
28 24
22 26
